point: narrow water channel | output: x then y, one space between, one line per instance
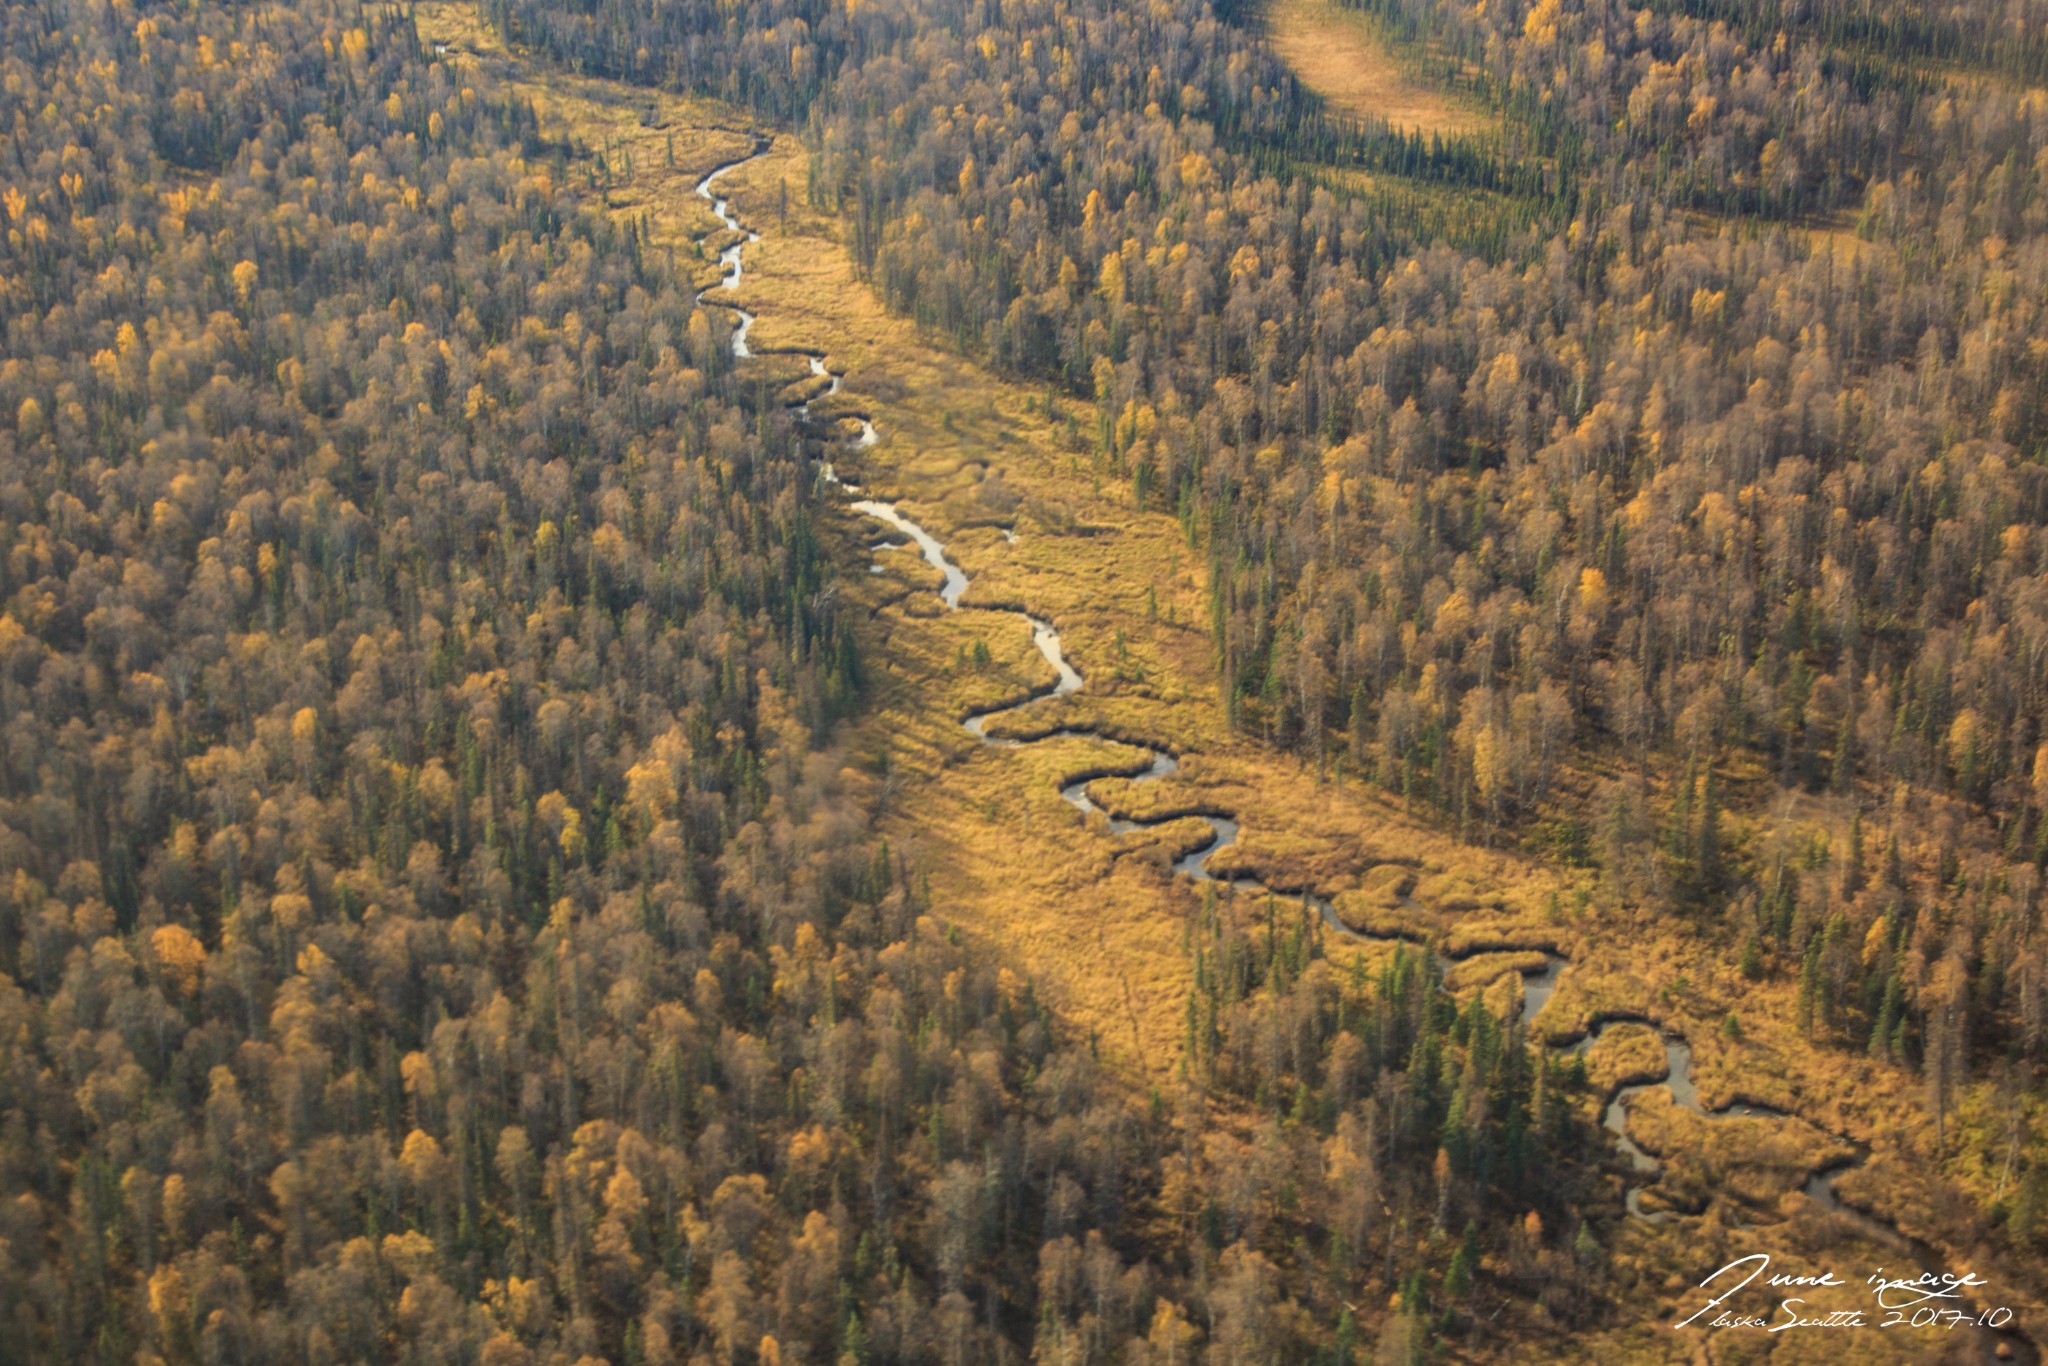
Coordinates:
1538 984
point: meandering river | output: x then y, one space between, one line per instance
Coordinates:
1158 763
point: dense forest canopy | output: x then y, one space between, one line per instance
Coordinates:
439 922
1700 488
1710 440
429 874
442 919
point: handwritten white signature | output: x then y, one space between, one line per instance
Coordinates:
1928 1299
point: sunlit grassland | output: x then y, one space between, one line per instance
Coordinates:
1340 55
1011 861
1757 1160
1348 60
1097 920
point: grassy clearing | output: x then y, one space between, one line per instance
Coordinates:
1485 969
1626 1054
1097 920
1757 1161
1337 54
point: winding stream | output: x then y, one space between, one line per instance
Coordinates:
1685 1093
732 267
730 264
1158 763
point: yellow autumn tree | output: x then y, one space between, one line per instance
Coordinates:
180 956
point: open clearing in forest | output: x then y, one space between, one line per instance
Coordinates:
1095 920
1336 54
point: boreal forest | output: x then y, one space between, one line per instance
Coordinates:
1174 682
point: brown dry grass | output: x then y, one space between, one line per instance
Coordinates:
1097 920
1336 54
1757 1161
